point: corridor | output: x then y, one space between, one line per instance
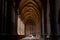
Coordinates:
30 19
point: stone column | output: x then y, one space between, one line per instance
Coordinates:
48 21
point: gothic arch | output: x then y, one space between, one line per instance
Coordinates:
37 3
30 10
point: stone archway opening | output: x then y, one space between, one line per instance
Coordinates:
30 27
30 14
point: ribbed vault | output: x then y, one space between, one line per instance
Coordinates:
24 3
29 11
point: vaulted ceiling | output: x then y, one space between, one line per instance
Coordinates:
30 9
30 12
